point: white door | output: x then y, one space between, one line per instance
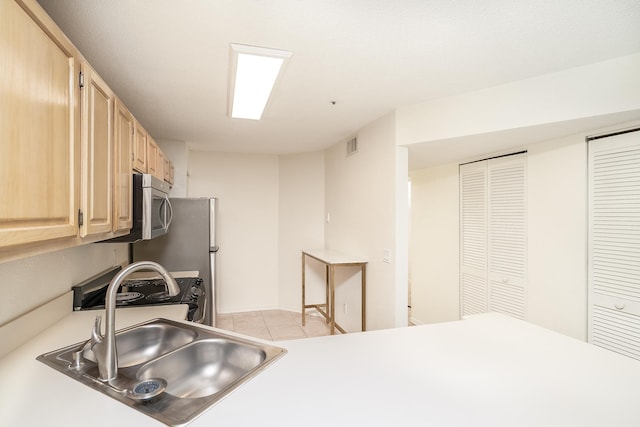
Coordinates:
473 238
614 243
493 255
507 243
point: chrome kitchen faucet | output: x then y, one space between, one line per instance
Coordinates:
104 347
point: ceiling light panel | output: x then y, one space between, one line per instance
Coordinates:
254 72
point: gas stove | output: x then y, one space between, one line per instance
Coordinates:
90 294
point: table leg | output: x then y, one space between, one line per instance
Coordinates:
303 299
327 307
364 297
332 291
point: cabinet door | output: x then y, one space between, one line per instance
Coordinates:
140 149
97 154
160 165
167 170
152 156
39 127
123 182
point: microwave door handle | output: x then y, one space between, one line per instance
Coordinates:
168 213
162 213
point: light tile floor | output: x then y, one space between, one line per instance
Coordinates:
274 325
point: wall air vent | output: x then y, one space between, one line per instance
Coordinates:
352 146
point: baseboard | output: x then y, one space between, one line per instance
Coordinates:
248 310
416 322
230 310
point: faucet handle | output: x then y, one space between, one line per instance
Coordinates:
96 335
96 338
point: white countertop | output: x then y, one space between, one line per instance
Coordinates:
30 395
489 370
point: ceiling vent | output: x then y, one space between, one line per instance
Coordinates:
352 146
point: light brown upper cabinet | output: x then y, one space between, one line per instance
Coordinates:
97 154
39 127
155 159
160 158
140 149
168 164
65 146
147 155
124 133
152 156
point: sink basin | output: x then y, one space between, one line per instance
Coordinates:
204 367
182 369
147 342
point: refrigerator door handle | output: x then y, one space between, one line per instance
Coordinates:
212 224
212 310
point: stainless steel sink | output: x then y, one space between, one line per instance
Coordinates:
168 370
147 342
204 367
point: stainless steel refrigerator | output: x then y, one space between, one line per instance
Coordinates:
190 244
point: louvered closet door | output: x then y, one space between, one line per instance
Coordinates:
507 243
473 238
614 243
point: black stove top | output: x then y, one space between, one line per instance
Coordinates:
153 291
90 294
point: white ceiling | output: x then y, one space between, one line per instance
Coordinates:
168 59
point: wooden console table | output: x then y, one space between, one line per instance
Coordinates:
331 260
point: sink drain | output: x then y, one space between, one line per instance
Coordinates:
148 389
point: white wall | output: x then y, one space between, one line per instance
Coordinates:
248 188
27 283
178 153
557 236
592 90
513 116
402 218
271 207
434 245
360 197
300 226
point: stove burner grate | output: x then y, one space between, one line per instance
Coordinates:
159 296
139 283
127 297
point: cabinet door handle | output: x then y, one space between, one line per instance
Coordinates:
619 306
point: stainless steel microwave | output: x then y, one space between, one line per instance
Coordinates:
151 209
